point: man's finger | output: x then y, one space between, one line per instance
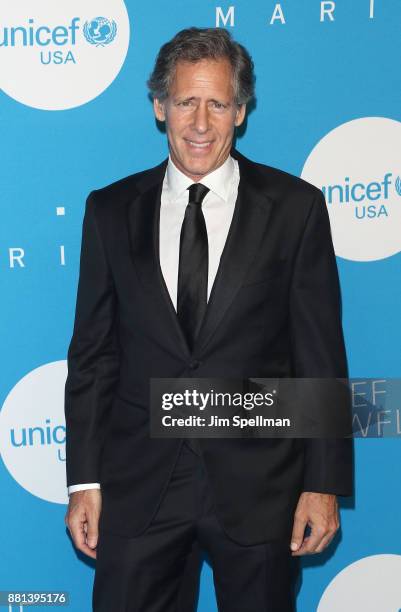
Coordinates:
298 532
318 540
77 527
326 541
317 534
92 532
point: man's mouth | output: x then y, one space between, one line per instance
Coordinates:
199 145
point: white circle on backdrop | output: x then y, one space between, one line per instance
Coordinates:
59 55
32 432
371 584
359 162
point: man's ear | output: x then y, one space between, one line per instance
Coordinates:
240 115
159 111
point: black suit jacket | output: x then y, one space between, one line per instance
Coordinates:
274 311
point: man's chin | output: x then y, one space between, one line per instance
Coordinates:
196 168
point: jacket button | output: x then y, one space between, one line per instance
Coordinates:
194 364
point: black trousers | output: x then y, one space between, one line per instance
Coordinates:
158 570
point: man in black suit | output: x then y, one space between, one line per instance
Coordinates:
208 265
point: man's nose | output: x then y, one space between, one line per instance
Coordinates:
201 119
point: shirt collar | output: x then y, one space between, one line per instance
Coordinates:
218 181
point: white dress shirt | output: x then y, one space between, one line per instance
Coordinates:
218 208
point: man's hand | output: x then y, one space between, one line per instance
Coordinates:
82 519
320 512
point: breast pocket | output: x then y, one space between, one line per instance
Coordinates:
271 270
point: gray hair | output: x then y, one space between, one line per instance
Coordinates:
195 44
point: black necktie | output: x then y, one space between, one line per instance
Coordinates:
193 265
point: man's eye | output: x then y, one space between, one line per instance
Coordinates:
185 103
218 105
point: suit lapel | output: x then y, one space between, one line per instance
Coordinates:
143 220
249 222
251 213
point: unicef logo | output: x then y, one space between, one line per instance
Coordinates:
356 165
51 52
100 31
371 584
32 432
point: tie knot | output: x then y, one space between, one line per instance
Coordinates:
197 192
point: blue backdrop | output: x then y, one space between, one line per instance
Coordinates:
319 65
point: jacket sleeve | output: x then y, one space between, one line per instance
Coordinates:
317 341
93 357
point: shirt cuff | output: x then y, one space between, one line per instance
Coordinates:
83 487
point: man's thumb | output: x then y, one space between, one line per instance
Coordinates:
297 534
92 540
92 534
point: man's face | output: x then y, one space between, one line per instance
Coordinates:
200 115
